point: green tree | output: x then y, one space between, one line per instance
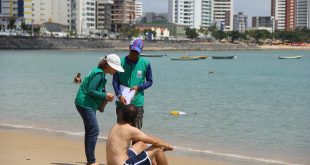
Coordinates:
36 31
259 34
191 33
213 30
11 24
203 31
234 35
24 26
220 35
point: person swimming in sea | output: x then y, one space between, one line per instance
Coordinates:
77 78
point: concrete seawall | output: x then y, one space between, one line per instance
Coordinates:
73 43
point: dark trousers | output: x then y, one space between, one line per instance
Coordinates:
139 120
91 132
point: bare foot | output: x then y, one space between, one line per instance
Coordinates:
94 163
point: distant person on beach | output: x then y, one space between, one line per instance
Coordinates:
89 98
120 136
77 78
137 76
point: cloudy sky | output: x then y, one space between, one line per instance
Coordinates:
250 7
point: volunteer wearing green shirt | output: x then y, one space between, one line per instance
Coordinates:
89 98
137 76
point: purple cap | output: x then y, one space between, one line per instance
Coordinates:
137 45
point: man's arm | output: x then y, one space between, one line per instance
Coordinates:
116 85
138 135
149 79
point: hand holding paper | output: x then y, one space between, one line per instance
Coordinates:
127 93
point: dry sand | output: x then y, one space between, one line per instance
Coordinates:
22 147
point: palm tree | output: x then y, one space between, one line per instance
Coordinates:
24 26
11 24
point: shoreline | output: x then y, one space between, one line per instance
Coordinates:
122 45
27 147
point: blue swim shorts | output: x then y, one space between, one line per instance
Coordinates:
134 159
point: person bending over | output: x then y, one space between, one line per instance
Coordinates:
120 136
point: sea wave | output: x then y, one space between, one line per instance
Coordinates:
208 152
48 130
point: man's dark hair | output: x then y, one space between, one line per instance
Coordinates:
130 113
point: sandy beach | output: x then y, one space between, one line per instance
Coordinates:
22 147
284 47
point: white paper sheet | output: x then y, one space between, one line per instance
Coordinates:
127 93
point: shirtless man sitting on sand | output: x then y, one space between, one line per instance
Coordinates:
120 136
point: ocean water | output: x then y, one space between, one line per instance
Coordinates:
253 110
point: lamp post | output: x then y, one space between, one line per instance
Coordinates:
32 4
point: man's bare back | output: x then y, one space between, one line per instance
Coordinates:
118 143
123 133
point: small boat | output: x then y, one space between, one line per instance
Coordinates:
224 57
151 55
200 57
289 57
184 58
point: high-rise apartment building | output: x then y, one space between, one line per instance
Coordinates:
103 15
285 13
303 14
12 8
207 13
278 11
290 17
138 10
192 13
85 16
223 13
262 21
181 12
240 22
52 11
123 14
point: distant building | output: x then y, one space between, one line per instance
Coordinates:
269 29
12 8
290 19
175 31
240 22
161 32
138 11
278 11
181 12
285 13
223 14
53 11
303 14
103 16
150 17
192 13
262 21
123 14
85 17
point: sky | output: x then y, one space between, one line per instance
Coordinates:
249 7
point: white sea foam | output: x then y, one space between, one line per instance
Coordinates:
48 130
210 152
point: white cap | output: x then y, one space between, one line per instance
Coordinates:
114 61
